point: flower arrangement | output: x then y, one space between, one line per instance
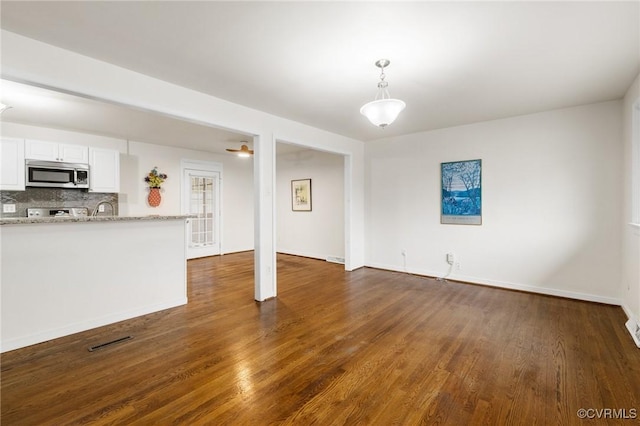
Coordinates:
155 178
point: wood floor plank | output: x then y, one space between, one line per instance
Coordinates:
366 347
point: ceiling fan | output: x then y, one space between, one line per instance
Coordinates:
244 151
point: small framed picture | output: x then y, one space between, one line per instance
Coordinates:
301 195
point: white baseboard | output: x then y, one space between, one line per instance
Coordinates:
32 339
634 329
628 312
632 325
304 254
506 285
543 290
222 252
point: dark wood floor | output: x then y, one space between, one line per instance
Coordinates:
368 347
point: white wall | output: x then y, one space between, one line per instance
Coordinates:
630 234
237 188
552 196
238 200
138 158
320 232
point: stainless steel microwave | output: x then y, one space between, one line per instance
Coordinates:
51 174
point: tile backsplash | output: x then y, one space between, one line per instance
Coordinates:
54 197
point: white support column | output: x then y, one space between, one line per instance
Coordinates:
354 209
264 216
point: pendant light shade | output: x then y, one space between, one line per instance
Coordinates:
383 110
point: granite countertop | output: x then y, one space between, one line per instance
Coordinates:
27 220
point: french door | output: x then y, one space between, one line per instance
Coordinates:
202 198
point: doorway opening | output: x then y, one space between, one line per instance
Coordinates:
319 230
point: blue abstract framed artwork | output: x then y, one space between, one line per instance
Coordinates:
461 192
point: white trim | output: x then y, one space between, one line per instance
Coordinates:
632 327
274 215
506 285
305 254
43 336
631 324
628 312
635 163
348 197
207 166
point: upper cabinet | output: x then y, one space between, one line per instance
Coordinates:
104 170
73 153
53 151
12 174
104 164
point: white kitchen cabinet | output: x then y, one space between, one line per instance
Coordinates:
104 170
12 162
74 153
53 151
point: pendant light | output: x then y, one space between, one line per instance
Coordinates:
383 110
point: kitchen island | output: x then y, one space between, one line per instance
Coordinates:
65 275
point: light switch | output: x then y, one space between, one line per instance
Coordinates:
8 208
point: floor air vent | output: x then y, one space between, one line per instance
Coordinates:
106 344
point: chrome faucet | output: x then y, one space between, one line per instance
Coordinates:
95 211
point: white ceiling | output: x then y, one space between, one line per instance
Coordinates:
453 63
47 108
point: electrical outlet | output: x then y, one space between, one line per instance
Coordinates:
450 258
101 208
458 267
8 208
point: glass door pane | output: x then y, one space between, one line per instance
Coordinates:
203 204
202 199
